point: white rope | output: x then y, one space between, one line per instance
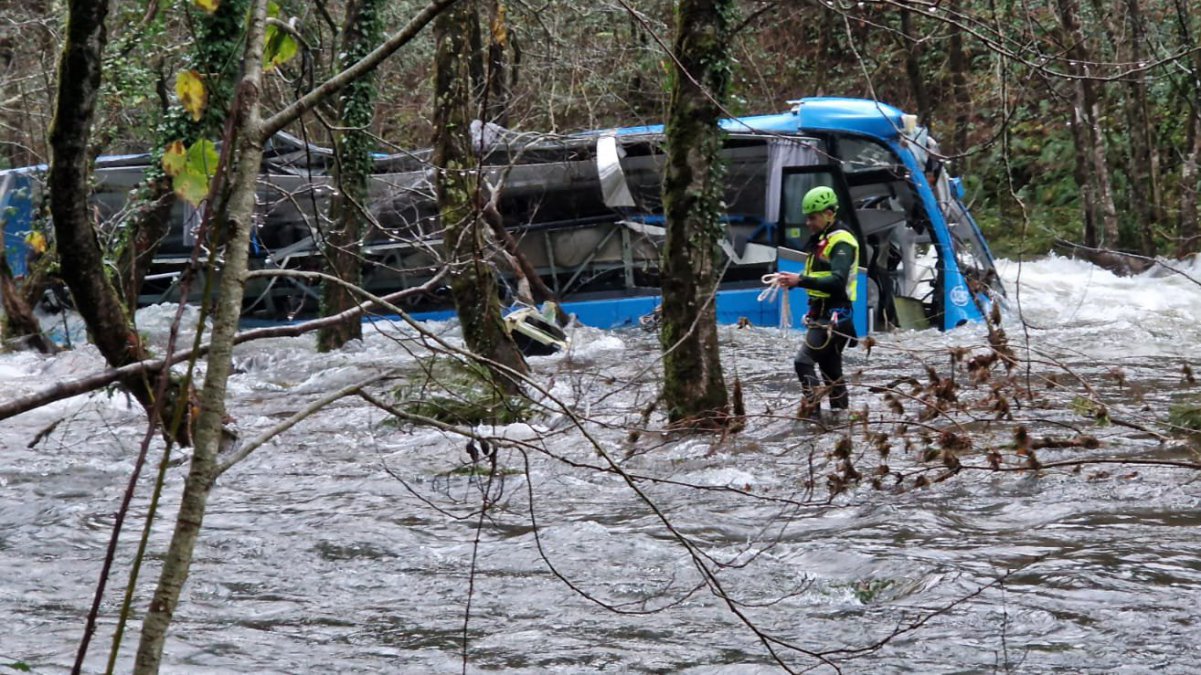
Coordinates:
774 283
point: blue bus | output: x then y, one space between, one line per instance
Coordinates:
586 212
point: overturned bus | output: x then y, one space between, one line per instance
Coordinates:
586 212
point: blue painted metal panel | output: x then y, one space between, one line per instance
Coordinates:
957 304
823 113
612 313
853 115
732 306
16 210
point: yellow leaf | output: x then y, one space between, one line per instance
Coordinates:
500 29
174 158
189 86
36 241
209 6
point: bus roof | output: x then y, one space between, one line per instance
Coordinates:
855 115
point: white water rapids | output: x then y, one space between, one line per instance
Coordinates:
347 544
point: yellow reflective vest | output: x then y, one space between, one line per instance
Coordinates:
817 265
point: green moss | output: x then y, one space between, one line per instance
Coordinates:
460 394
1186 416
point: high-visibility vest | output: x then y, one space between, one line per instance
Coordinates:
818 262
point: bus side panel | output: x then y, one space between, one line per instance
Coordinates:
16 210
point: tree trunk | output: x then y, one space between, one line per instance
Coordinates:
361 33
20 326
235 219
694 388
913 68
10 140
1144 181
83 268
215 55
1188 232
539 291
959 63
473 281
1142 186
497 94
1142 118
1090 138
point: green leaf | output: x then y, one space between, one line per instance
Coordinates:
202 158
20 665
198 168
280 47
191 187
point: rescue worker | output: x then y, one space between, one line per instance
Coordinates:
830 279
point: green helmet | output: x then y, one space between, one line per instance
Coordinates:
819 199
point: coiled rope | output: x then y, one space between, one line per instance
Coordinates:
774 283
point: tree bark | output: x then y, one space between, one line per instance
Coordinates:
539 291
1142 186
1090 139
913 69
497 93
472 279
1188 233
83 268
20 325
694 388
348 210
959 64
1142 118
235 219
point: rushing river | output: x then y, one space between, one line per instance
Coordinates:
348 543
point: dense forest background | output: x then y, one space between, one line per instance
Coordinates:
1071 121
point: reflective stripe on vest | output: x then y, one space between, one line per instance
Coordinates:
822 257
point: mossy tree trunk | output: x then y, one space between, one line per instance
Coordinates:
215 55
83 268
361 33
235 218
694 388
473 280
